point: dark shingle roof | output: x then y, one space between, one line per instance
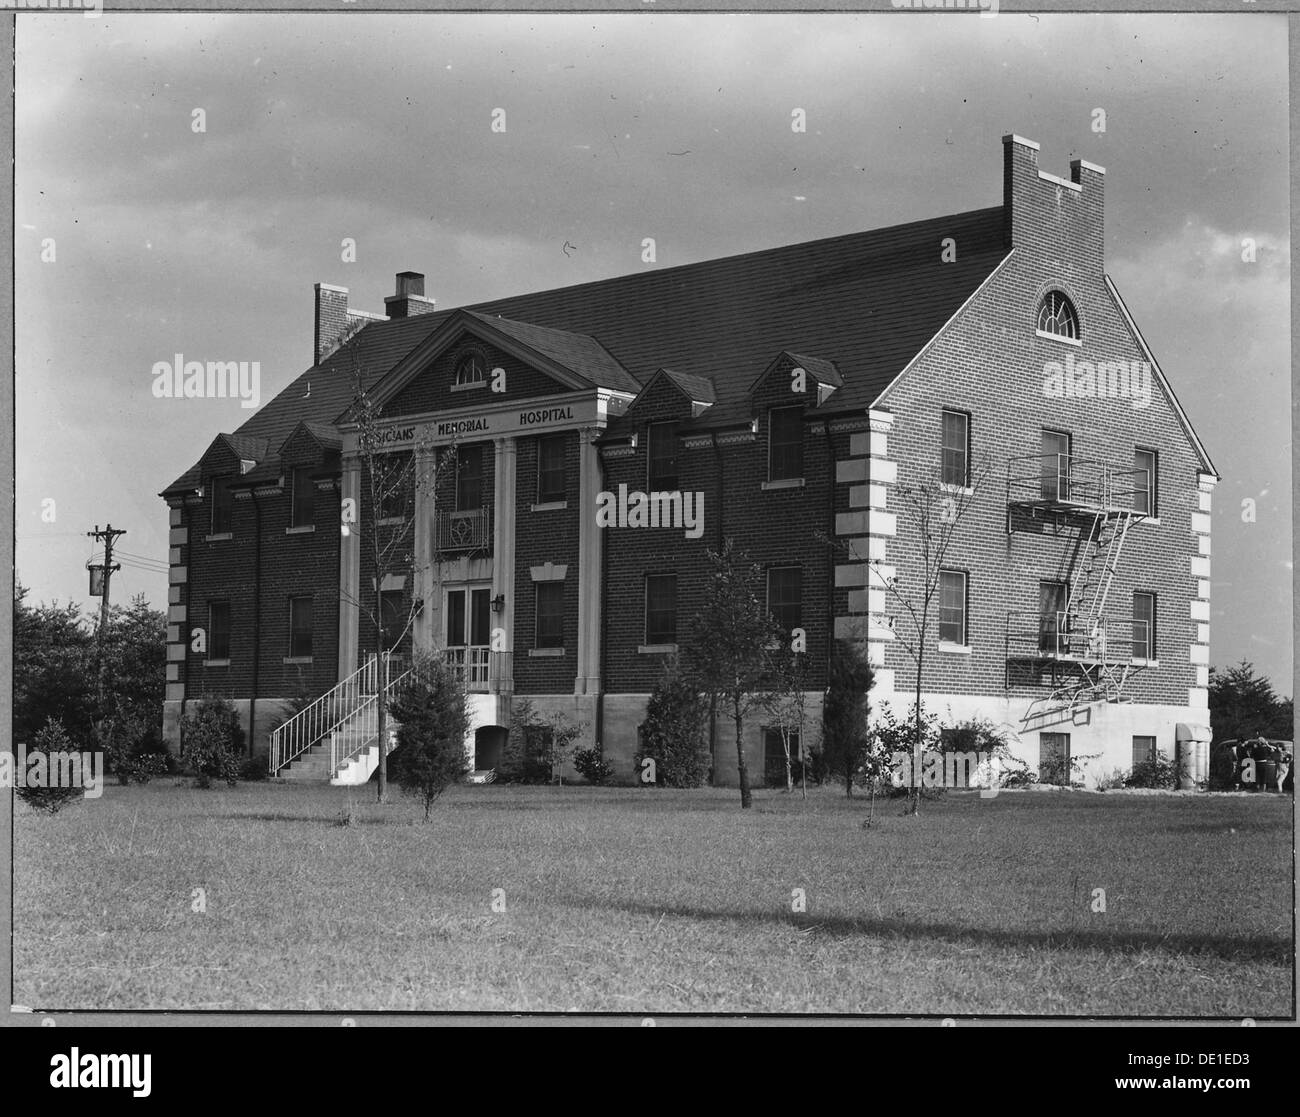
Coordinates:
866 301
697 389
578 352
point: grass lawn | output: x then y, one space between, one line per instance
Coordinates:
655 901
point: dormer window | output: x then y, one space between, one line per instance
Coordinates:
469 370
1057 317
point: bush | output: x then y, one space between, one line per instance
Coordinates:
672 734
212 742
592 767
134 749
1155 772
1115 780
432 712
980 735
51 740
254 768
536 749
847 752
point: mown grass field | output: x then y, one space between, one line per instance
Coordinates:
651 901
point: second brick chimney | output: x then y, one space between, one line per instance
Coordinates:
409 300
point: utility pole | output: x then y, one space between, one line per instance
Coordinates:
108 535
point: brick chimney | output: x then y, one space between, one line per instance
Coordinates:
409 300
1052 214
334 318
331 319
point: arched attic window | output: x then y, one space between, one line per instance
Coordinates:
1057 316
469 369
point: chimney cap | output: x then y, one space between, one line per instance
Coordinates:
1012 138
410 283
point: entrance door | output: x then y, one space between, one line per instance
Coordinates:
469 634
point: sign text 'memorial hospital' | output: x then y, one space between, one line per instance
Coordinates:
488 425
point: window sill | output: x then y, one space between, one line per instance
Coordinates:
784 483
218 537
1153 521
469 387
297 659
656 649
216 663
1058 337
390 521
550 506
302 529
1144 663
954 649
545 652
958 490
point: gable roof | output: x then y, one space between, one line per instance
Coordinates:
865 301
696 388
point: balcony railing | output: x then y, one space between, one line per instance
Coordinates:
463 531
1063 482
471 664
1037 636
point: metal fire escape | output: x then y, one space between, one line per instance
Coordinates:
1082 654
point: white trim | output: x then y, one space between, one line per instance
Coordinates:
301 529
551 506
549 572
1059 337
657 649
297 659
216 663
1012 138
545 653
1078 187
1164 383
948 647
783 483
988 279
218 537
470 386
1091 166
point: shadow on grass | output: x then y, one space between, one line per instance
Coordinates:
1237 948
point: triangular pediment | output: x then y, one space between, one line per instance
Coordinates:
474 356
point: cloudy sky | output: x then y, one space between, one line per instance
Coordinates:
621 127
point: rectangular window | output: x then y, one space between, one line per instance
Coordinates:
784 443
1055 450
774 757
550 469
469 478
393 617
1052 626
218 629
952 606
954 448
223 506
303 513
1146 471
785 596
300 622
395 482
1054 758
1144 626
550 615
661 608
661 475
1144 750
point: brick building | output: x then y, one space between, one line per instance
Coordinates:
790 396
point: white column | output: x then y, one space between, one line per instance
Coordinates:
501 669
350 567
590 573
425 587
